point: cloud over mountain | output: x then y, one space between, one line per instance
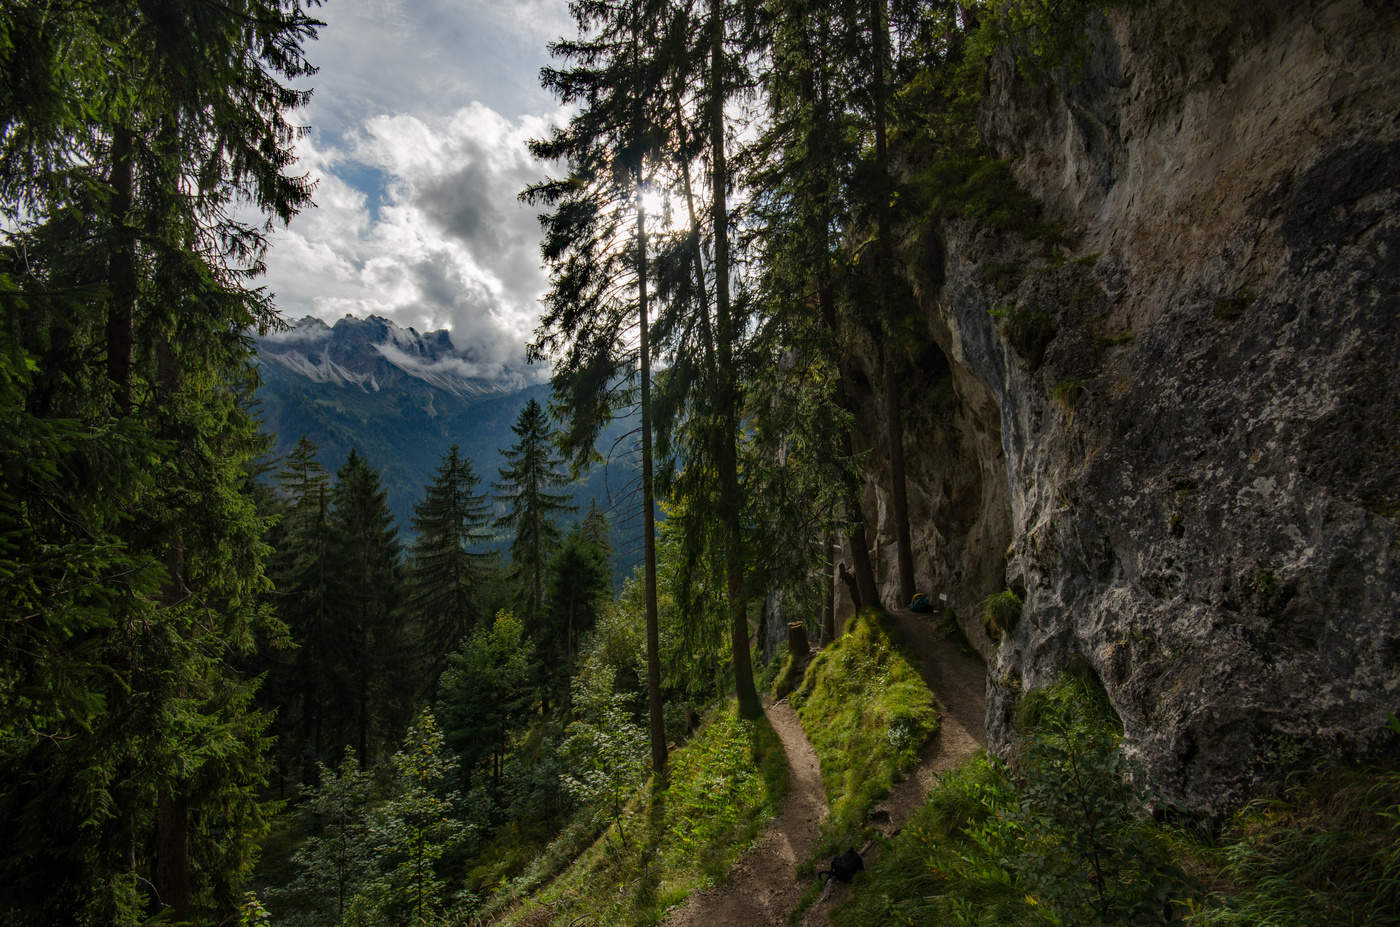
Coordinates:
418 163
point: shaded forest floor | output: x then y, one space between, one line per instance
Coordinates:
764 886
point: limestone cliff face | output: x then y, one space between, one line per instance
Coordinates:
1179 438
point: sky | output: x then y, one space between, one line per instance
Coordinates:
418 122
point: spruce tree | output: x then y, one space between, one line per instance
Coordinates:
598 310
370 670
136 550
580 579
445 568
532 470
299 685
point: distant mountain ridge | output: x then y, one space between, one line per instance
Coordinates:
401 398
375 353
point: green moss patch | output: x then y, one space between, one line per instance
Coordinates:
867 713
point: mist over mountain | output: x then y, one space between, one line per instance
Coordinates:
401 398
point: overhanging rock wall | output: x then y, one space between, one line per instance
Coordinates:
1180 436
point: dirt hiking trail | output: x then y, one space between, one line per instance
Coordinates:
763 889
958 679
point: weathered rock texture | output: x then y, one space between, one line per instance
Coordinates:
1181 438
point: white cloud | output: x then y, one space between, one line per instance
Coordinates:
451 247
419 121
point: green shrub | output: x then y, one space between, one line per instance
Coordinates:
1054 836
1000 612
867 712
1326 850
1088 846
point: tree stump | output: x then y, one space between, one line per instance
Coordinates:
797 640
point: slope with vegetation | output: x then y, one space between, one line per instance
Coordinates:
1055 835
1075 314
867 712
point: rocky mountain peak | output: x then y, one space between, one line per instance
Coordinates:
373 353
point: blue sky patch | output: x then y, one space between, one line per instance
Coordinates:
372 181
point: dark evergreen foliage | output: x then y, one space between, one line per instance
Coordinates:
446 568
131 758
532 470
370 668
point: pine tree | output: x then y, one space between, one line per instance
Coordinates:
299 684
599 309
486 692
804 170
532 470
580 580
365 591
129 127
445 572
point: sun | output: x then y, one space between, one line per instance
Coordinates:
660 207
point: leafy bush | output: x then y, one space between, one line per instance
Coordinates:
867 712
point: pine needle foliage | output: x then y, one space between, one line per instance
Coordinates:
532 470
446 566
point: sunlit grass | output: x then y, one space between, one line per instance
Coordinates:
725 784
867 712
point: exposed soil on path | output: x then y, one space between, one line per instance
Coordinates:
762 888
958 679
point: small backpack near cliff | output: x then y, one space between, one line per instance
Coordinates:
843 867
921 604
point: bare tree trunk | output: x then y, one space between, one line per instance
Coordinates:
828 591
173 855
894 424
814 94
749 706
172 815
658 723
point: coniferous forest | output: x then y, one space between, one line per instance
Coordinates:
234 690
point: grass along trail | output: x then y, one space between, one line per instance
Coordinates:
958 680
762 888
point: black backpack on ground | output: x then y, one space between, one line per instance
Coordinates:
843 867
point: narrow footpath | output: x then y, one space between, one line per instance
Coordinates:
763 887
958 679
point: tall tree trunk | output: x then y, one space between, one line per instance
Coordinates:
894 424
173 855
855 535
658 723
814 93
828 591
121 271
172 817
749 706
